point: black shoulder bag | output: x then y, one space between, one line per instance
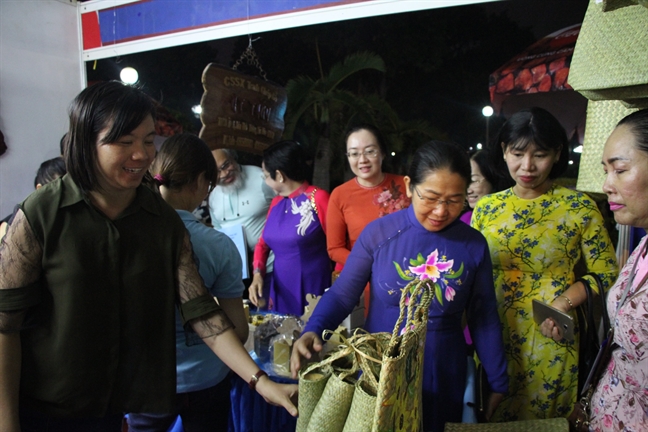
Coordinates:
592 312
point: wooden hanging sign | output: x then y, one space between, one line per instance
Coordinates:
239 111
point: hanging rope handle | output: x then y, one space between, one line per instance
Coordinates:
355 342
414 311
363 343
343 351
250 56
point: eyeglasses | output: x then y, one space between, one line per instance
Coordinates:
433 203
369 153
226 166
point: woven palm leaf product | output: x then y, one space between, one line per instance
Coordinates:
312 381
399 400
610 61
369 350
361 412
602 117
331 411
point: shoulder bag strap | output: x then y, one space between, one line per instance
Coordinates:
312 200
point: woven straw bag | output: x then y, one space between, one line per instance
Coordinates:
369 350
602 117
610 60
332 406
545 425
311 386
387 395
399 400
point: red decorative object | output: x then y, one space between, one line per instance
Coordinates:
543 67
538 76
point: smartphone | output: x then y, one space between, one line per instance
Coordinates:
542 311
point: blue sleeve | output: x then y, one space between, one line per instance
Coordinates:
338 302
485 326
228 283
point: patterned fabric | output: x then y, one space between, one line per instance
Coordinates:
620 402
353 206
296 233
389 253
534 245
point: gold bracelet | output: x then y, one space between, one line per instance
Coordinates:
571 305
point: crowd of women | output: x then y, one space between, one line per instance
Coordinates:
89 287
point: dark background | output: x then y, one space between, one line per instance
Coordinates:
438 61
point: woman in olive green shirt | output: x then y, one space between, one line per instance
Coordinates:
91 271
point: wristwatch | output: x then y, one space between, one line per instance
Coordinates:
255 379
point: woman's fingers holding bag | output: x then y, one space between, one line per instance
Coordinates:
308 342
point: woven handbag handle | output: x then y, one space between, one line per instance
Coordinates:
335 355
367 347
414 310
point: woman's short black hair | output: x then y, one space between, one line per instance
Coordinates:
50 170
181 160
371 129
436 155
107 105
288 157
533 126
638 123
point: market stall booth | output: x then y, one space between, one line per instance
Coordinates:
45 45
610 68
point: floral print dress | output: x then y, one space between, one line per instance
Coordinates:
392 251
534 245
620 402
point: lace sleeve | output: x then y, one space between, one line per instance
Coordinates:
198 309
20 271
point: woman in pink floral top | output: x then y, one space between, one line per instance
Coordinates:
620 402
371 194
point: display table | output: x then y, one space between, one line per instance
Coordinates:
251 413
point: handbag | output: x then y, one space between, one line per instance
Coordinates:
399 402
590 314
378 387
328 388
331 396
579 419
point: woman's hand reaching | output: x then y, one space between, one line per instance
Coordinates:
283 395
307 344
